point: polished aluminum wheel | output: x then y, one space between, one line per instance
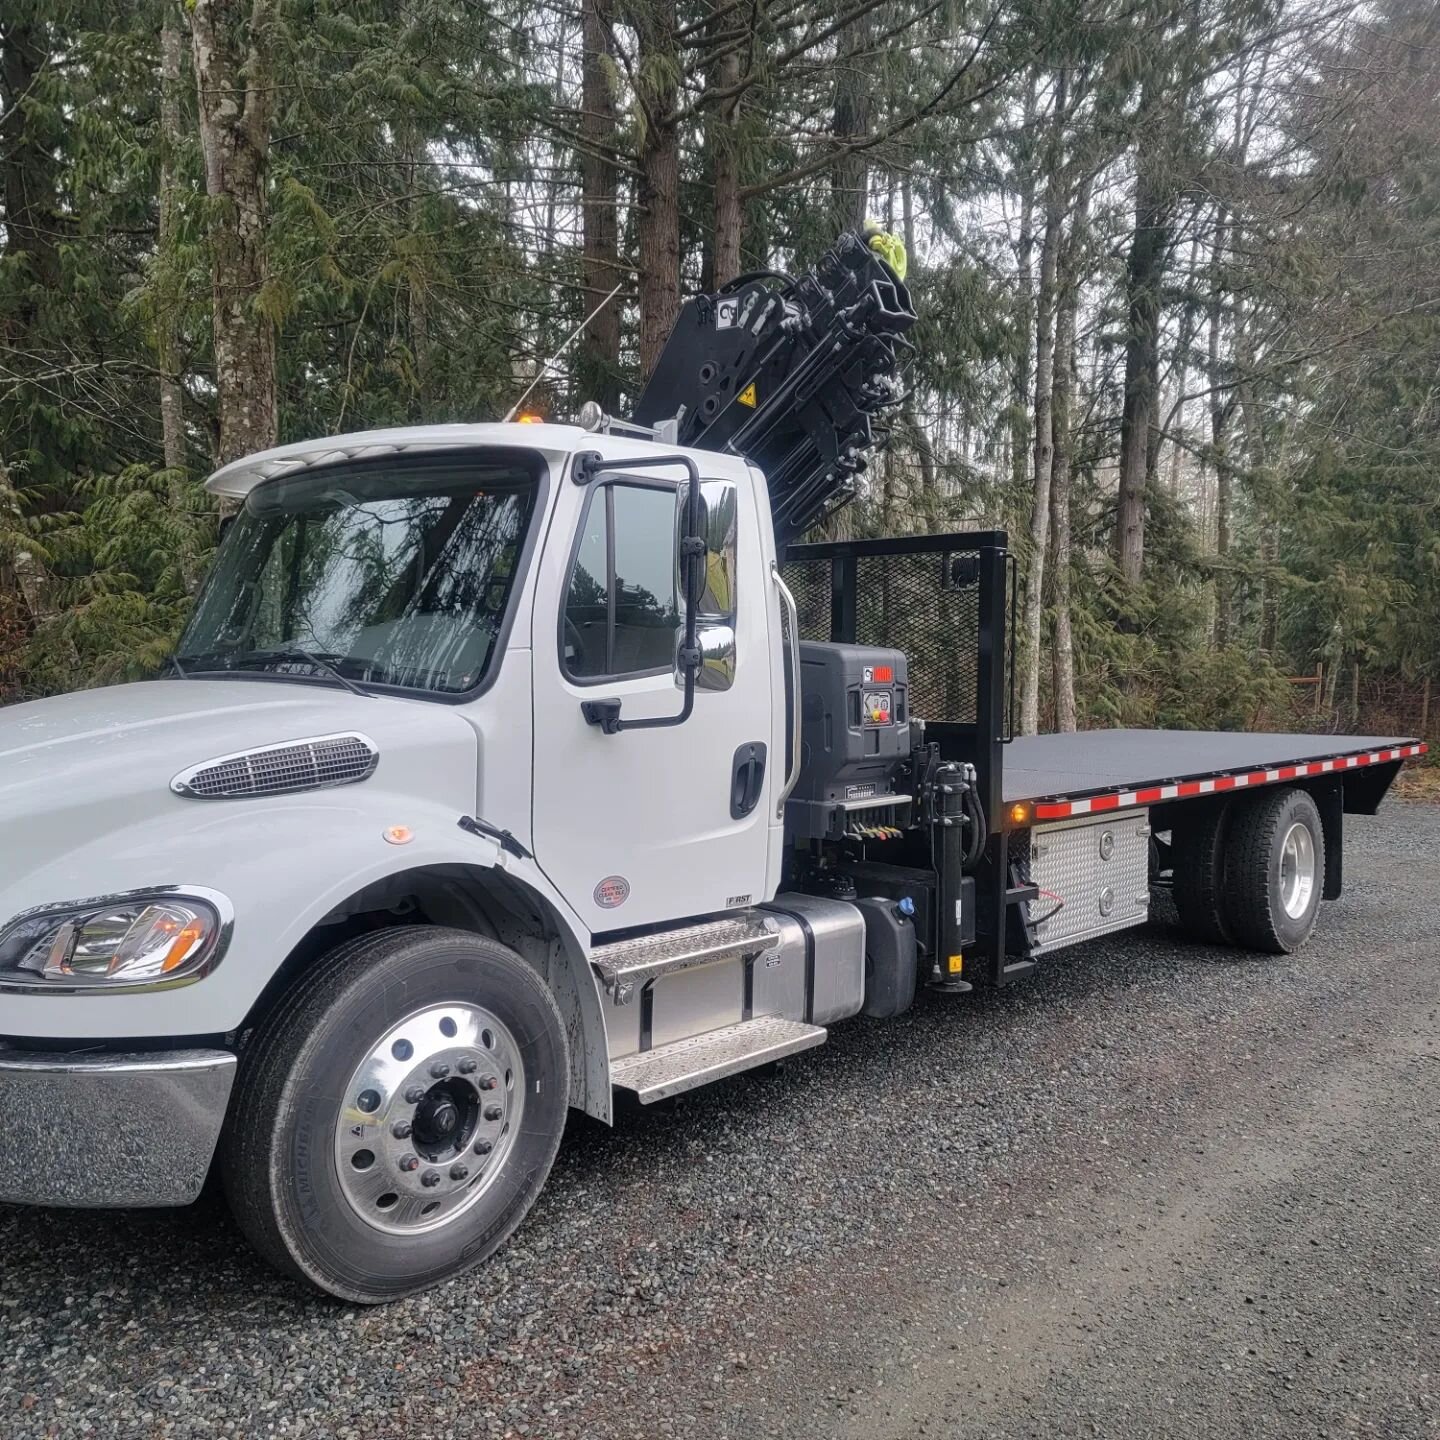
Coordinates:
429 1117
1297 870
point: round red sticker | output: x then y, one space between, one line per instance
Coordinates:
612 892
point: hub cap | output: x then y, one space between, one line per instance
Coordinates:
429 1117
1297 870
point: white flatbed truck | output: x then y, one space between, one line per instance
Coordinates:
505 766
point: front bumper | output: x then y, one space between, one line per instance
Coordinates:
103 1130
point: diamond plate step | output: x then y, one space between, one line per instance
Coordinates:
626 963
670 1069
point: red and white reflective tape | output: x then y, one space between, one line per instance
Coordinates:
1154 794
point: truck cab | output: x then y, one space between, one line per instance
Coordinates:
378 712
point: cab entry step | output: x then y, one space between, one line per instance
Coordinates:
684 1064
624 964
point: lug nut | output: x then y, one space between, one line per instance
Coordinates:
483 1147
409 1163
430 1179
489 1082
401 1129
468 1065
439 1070
459 1172
493 1112
415 1094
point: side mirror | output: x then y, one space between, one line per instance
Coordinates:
715 601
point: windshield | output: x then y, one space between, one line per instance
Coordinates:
395 572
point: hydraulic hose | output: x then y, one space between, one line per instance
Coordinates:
979 832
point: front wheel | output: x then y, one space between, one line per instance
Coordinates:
397 1113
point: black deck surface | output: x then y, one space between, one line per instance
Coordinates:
1041 767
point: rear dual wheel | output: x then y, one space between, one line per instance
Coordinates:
1251 872
1274 871
397 1114
1198 856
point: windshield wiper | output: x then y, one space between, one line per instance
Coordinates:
319 662
174 663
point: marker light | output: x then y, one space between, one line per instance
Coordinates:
399 835
1019 814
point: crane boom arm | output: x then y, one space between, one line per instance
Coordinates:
796 375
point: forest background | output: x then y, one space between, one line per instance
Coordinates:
1177 263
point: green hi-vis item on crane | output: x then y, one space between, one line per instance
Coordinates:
890 248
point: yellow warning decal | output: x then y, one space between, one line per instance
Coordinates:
748 396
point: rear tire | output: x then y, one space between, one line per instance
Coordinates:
398 1113
1197 870
1274 871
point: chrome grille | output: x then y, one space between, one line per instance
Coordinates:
315 764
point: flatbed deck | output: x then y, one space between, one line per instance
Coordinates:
1063 775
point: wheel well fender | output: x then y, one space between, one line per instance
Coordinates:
491 902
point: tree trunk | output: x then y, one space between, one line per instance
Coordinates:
1044 446
1221 408
599 199
850 179
233 44
1145 274
1269 593
33 225
1025 286
1063 469
417 287
1188 324
1257 470
658 230
21 572
28 142
725 149
167 301
924 447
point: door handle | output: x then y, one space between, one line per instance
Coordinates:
747 779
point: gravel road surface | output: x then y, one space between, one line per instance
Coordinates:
1159 1190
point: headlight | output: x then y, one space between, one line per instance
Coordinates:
141 938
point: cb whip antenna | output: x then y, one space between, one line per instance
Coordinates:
570 339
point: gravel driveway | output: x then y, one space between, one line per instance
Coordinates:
1157 1190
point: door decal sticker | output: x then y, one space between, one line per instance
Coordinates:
612 892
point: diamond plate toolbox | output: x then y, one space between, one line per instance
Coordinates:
1099 868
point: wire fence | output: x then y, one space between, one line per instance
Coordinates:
1364 702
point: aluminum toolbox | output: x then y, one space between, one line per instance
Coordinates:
1093 875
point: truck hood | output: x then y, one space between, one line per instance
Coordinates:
78 767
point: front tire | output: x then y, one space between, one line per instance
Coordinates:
398 1113
1274 871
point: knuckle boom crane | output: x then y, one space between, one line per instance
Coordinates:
795 375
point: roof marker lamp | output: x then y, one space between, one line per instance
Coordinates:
139 939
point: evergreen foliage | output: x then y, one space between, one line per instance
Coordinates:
1235 428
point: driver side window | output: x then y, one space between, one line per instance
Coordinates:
622 610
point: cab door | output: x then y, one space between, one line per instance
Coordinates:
651 825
